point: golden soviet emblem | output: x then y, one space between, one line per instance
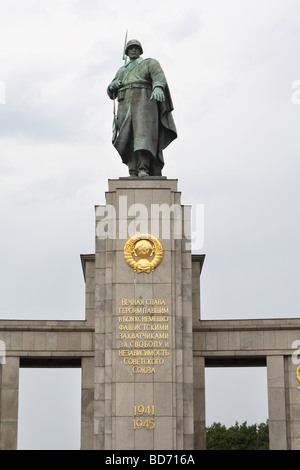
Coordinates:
298 375
143 253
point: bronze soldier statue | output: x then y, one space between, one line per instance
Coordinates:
144 125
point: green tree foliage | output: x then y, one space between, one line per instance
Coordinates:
237 437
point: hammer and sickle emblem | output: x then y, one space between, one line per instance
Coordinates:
143 253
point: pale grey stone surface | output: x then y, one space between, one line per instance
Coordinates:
110 390
172 277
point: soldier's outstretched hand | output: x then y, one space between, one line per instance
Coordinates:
158 94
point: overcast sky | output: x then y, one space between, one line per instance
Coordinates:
232 67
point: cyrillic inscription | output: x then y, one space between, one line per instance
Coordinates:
143 334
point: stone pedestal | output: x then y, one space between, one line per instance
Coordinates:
143 321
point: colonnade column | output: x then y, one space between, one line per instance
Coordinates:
277 403
9 396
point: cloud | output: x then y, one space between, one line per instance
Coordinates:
53 104
52 73
230 68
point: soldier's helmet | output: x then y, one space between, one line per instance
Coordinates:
133 42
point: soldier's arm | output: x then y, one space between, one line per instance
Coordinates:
114 86
158 80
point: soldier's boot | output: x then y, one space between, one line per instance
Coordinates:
143 163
